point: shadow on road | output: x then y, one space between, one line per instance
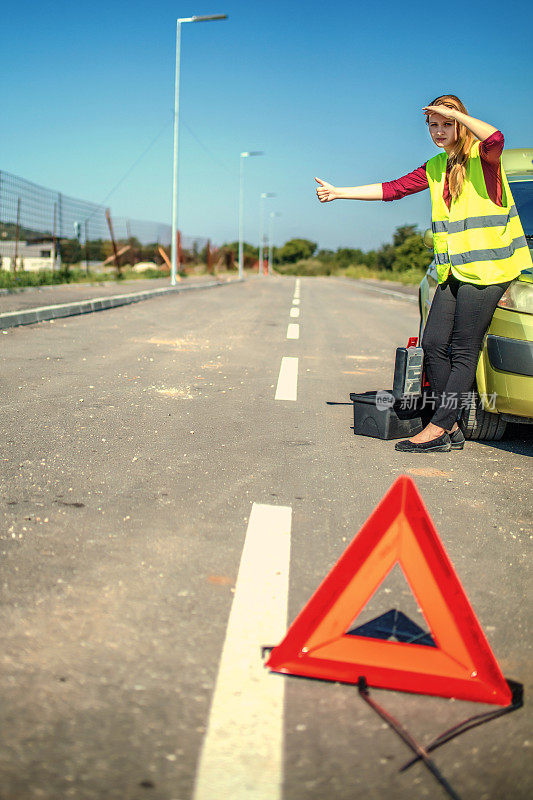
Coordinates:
517 439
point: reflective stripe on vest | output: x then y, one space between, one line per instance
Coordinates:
482 243
487 221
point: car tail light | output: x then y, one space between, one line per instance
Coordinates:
518 297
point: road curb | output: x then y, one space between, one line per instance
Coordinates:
31 315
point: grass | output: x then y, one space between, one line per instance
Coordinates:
45 277
314 267
410 277
78 274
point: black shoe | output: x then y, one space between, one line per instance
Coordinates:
442 443
457 439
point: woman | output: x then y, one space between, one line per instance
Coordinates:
479 249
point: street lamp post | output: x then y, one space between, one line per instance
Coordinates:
264 196
271 216
173 244
241 206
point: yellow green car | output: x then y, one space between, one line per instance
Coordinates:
504 378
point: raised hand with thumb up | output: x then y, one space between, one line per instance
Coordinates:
325 191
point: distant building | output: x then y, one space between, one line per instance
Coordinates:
30 256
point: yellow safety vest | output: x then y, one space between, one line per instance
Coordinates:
478 240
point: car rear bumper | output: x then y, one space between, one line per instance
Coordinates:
505 373
510 355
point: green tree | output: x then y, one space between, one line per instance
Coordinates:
346 256
71 252
370 259
295 250
247 249
96 250
402 233
412 254
150 252
385 256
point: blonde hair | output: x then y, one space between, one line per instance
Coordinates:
461 150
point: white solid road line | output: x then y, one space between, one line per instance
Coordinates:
403 296
295 312
242 754
287 388
293 330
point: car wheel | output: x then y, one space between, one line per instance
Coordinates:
476 423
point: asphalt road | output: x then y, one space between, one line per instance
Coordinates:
135 442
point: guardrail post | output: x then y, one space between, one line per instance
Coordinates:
87 246
115 251
17 233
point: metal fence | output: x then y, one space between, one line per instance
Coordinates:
32 214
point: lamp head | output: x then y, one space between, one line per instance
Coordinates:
209 18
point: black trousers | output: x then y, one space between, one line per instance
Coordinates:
458 319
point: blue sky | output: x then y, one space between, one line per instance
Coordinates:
334 90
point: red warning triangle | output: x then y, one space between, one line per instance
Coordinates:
318 645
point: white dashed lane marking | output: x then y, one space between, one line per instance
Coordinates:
287 388
293 330
242 754
296 301
295 312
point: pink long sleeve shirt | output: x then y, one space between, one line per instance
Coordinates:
490 151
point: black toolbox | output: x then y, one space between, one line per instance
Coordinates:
381 415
